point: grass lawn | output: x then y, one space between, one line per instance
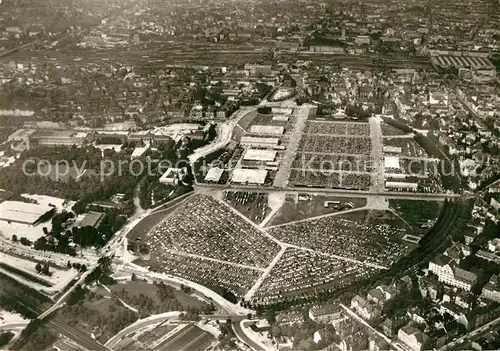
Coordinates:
294 209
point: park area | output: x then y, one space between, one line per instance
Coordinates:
104 310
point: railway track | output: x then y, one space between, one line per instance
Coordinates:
55 323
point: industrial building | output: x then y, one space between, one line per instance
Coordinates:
259 155
25 213
249 176
267 130
214 174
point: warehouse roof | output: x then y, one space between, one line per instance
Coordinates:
22 212
259 155
258 140
250 176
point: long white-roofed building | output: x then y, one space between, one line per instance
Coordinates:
267 130
261 142
249 176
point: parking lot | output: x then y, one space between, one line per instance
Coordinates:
329 179
347 236
335 144
333 155
207 227
213 275
337 128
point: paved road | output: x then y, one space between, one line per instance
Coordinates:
337 192
240 334
248 296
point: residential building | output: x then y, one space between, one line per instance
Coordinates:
413 338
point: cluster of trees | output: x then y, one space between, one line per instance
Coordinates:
5 338
168 301
89 156
265 110
23 240
151 190
59 220
111 321
58 240
263 89
222 291
357 111
398 124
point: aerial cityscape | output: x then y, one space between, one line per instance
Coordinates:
256 175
